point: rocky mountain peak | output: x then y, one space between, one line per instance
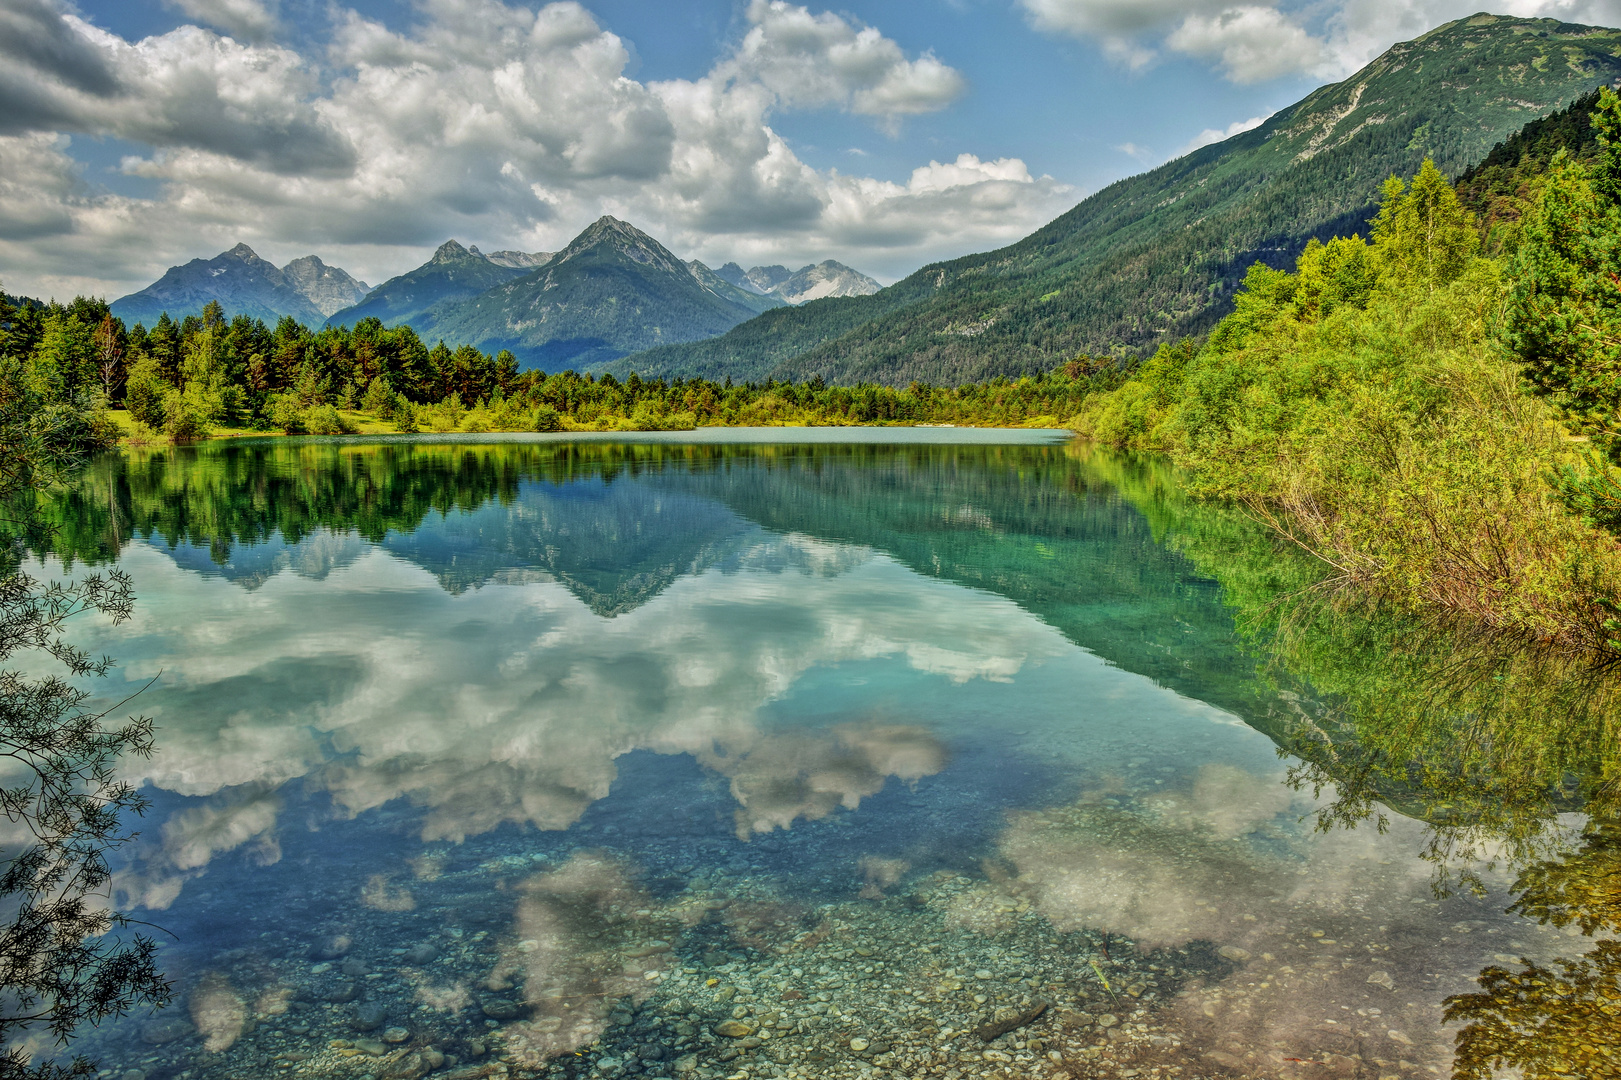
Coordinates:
811 282
624 239
519 260
329 288
450 251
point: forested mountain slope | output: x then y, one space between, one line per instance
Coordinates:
1496 189
454 273
1158 256
611 291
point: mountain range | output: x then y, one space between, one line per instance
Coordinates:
800 286
1158 256
1149 259
454 273
307 289
613 290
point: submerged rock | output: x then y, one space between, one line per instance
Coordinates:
501 1009
330 948
166 1030
993 1029
343 992
409 1067
370 1015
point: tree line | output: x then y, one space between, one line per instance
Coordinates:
185 379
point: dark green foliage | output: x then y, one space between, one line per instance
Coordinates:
1159 256
183 379
1593 493
262 367
1499 187
64 959
48 414
1563 317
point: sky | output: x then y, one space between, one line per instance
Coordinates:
886 134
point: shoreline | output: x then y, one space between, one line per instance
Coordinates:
705 433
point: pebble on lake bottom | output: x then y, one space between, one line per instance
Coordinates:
552 981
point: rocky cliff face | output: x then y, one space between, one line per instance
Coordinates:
329 288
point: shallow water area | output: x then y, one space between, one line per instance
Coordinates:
923 752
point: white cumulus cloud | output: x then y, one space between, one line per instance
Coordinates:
809 60
1253 42
251 20
497 123
1216 135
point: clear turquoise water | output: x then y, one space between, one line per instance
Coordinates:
500 717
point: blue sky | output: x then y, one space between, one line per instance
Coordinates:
135 134
1056 102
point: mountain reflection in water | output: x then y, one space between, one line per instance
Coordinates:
519 745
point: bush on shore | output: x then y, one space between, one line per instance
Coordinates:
1363 407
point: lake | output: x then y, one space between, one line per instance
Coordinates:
819 753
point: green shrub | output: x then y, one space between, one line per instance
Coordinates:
186 418
144 392
285 414
326 420
1360 408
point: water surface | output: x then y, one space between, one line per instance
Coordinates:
554 757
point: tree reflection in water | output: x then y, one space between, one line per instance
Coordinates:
1500 749
1508 751
1562 1019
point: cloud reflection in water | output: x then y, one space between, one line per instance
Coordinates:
510 704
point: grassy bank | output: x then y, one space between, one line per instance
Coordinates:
1046 402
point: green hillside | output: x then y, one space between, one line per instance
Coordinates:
1498 187
1158 256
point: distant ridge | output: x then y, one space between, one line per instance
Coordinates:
452 273
813 282
1158 256
611 291
244 284
516 260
